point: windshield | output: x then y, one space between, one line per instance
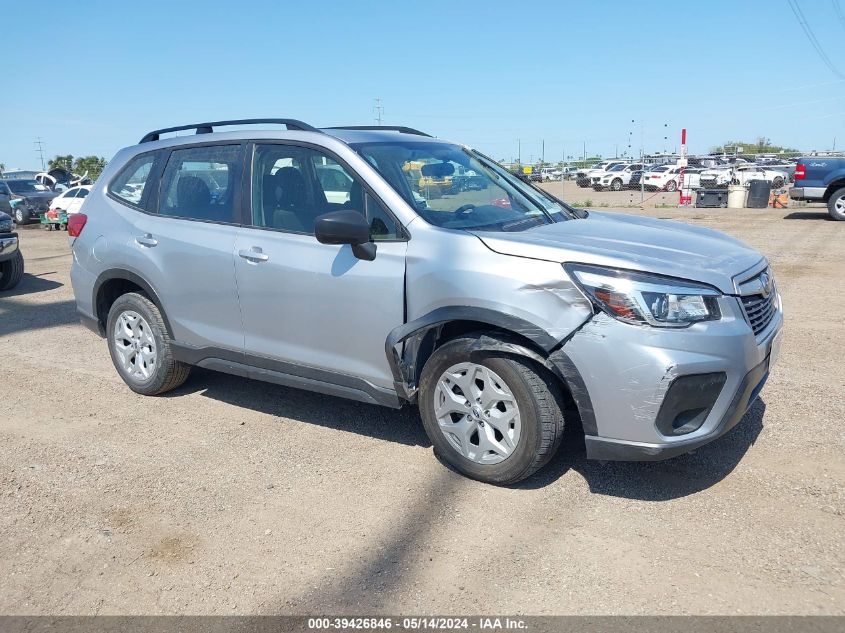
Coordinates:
455 188
26 186
617 168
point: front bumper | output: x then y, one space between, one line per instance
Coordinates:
629 373
8 246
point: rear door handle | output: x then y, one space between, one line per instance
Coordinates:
146 240
254 255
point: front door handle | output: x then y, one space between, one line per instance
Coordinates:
146 240
254 255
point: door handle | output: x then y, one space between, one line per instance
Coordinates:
146 240
253 255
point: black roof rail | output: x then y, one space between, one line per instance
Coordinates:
391 128
208 128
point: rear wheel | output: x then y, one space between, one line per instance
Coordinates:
836 205
777 183
11 272
140 346
492 417
671 186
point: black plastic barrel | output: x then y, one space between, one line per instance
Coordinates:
758 194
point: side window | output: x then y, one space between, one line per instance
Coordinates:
82 193
199 183
129 184
292 186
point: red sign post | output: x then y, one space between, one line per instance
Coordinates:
682 161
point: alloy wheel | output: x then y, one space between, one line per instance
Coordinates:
477 413
135 345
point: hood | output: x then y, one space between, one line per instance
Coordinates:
636 243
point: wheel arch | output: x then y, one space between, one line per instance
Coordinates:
494 332
113 283
833 187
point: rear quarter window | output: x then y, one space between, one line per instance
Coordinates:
129 184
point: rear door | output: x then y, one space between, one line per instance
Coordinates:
182 243
310 305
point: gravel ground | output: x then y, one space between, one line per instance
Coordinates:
231 496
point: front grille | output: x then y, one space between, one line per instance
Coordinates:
759 309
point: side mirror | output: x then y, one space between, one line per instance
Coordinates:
346 227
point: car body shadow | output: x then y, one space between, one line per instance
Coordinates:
402 426
31 284
655 481
807 215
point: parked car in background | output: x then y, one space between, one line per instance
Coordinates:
550 174
492 310
617 177
5 199
742 174
662 178
70 201
29 199
586 177
11 259
821 179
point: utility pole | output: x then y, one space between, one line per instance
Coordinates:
543 152
379 111
518 151
585 153
39 147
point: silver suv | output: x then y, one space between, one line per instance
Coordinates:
344 261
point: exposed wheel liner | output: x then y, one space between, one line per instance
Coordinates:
420 332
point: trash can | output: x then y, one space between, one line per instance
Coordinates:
711 198
736 196
758 194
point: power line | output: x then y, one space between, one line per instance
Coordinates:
802 21
39 147
839 14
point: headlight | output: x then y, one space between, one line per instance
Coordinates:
6 225
642 298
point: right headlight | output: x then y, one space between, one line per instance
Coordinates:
646 299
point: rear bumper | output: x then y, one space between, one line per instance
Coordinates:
807 193
8 246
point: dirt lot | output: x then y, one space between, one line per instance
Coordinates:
230 496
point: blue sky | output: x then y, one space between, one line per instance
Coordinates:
485 73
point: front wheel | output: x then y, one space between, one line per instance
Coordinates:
11 272
836 205
491 417
139 346
21 218
616 185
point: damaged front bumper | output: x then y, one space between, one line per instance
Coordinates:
658 393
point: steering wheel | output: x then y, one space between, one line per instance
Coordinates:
465 209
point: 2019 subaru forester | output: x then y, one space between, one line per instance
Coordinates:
489 307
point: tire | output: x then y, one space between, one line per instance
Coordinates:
616 185
777 183
11 272
20 218
836 205
671 186
155 370
535 393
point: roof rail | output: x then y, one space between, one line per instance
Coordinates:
208 128
391 128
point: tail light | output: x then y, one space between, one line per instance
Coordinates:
75 224
800 172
